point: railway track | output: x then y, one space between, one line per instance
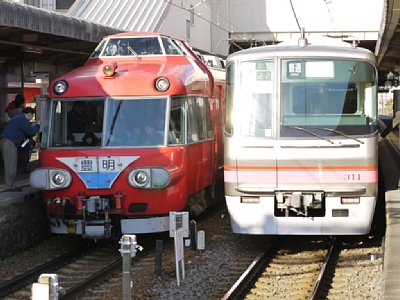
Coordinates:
279 272
354 268
30 276
76 271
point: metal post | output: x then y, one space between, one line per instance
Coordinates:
158 260
201 240
127 250
46 288
193 235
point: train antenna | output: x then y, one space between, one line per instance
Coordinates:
302 40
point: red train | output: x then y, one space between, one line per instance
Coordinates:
130 136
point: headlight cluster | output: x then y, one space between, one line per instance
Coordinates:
60 87
149 178
162 84
50 178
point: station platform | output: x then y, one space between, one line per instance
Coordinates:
389 159
22 178
23 220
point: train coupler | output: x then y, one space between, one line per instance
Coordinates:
305 204
96 229
96 223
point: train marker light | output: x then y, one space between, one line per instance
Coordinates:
250 199
60 87
350 200
50 178
162 84
109 69
149 178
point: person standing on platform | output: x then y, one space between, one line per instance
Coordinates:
24 154
14 135
15 107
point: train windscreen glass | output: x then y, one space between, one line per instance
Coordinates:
334 93
76 123
133 122
255 115
138 122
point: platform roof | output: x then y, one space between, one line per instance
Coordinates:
49 37
387 48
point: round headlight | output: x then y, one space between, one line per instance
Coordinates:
58 179
60 87
162 84
141 178
149 178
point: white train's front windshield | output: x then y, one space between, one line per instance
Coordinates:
334 94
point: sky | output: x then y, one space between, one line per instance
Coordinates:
325 15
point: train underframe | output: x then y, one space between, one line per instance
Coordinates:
300 213
102 217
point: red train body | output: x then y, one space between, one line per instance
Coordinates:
130 136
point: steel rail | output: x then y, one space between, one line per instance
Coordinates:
48 267
317 284
81 287
242 284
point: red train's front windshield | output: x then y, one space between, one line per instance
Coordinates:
113 122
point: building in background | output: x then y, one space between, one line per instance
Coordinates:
42 39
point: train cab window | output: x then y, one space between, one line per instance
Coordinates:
331 98
76 123
146 46
257 112
327 94
135 122
132 46
98 49
170 47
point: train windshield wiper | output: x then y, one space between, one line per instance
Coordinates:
113 123
309 132
340 133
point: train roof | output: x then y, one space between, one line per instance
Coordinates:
137 34
137 59
316 47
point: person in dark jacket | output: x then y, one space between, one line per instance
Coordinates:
15 107
14 134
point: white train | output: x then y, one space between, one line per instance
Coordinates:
301 139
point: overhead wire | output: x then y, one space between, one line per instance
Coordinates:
295 15
208 21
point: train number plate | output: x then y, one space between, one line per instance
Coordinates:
102 164
86 165
108 164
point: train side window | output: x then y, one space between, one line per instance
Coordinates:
201 117
193 126
209 121
176 122
230 85
197 129
170 47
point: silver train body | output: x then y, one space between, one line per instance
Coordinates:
301 139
